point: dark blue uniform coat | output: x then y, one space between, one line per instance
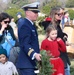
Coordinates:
28 40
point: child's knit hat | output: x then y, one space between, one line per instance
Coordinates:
3 51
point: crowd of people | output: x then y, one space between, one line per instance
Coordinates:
6 33
24 32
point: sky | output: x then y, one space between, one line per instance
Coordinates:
4 0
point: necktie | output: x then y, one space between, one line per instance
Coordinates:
35 29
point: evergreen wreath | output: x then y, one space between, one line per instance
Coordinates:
44 66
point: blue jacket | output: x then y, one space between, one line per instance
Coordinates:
28 40
10 36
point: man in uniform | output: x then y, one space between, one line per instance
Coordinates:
28 40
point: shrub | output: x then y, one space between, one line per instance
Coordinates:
45 66
46 9
13 12
71 12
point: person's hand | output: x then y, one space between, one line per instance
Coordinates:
3 28
72 45
67 43
58 39
38 57
65 38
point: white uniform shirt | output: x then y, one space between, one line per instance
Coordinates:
8 68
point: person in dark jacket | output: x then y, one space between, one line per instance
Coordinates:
28 39
6 32
20 18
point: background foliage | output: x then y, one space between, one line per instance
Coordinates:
20 2
54 3
71 13
70 3
14 11
45 8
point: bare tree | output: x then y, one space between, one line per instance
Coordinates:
4 4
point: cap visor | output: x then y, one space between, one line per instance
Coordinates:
36 11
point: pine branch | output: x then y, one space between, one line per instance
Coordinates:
45 66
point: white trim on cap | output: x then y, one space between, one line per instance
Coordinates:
35 4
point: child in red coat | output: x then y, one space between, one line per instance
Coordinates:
54 44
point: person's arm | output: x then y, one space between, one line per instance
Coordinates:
25 36
14 70
45 24
43 47
1 36
1 31
61 44
65 38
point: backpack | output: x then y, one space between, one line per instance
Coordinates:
14 52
